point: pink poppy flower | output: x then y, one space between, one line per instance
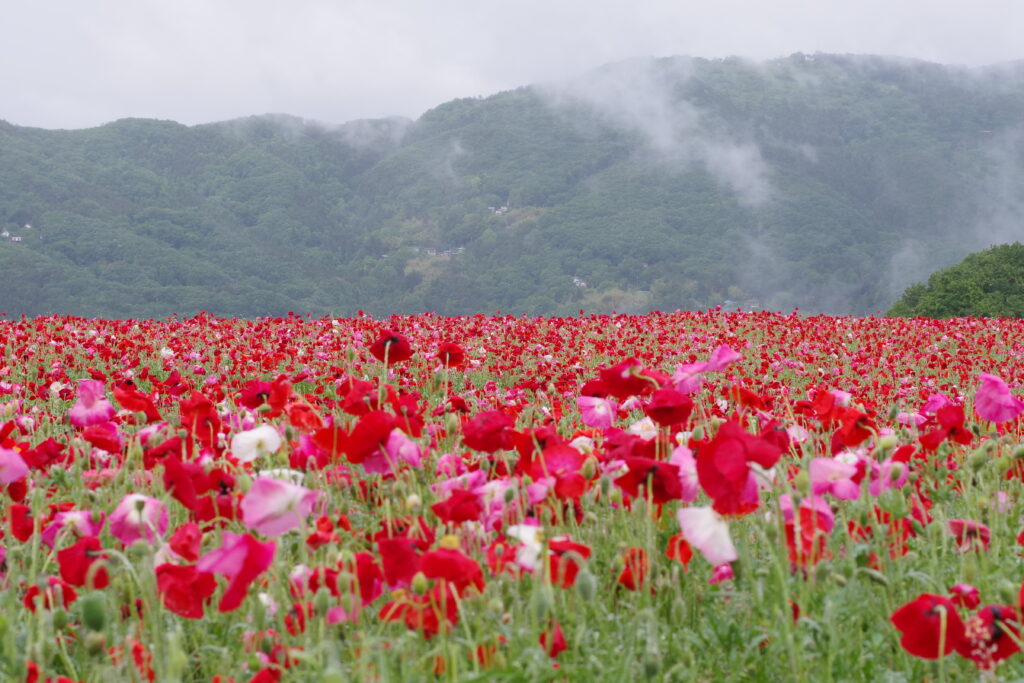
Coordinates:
598 413
891 474
12 466
80 522
138 516
400 448
91 407
682 457
708 532
829 475
241 558
993 400
273 507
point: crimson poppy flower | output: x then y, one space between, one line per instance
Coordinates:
628 378
807 549
369 435
451 565
929 625
435 610
20 519
561 461
54 592
679 550
950 420
451 354
552 639
399 560
669 407
489 431
184 590
565 560
200 419
637 566
76 561
659 479
965 595
391 347
970 535
989 638
128 395
723 468
460 506
186 541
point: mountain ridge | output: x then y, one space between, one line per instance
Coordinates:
824 182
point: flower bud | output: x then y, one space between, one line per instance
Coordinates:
589 468
95 643
420 583
60 619
94 611
586 585
541 602
413 502
509 495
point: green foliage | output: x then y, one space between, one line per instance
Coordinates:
657 183
989 283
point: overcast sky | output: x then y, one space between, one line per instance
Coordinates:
80 63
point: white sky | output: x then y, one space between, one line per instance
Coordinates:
80 63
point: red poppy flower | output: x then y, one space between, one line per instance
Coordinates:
950 426
75 562
460 506
970 535
54 592
679 550
451 354
454 567
636 568
398 559
988 637
565 560
661 479
489 431
432 612
628 378
669 407
128 395
391 347
929 625
184 590
723 470
552 639
186 541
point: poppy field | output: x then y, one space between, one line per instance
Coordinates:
685 496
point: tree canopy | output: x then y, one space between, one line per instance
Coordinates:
988 283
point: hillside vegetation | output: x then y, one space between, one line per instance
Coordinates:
989 283
827 182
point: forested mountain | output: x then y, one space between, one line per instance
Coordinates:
824 182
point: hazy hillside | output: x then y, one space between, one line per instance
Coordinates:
825 182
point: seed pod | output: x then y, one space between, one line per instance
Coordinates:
94 611
586 585
874 575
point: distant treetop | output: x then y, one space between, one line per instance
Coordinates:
987 283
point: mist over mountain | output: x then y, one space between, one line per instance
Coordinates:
825 182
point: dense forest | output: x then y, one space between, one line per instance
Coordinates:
988 283
824 182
